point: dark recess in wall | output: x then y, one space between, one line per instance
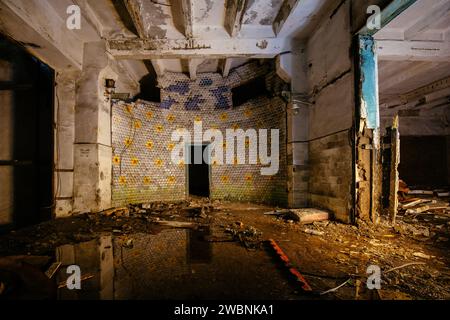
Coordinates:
32 90
423 161
198 174
249 91
149 85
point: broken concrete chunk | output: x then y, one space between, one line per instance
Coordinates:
307 216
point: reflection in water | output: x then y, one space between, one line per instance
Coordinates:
141 266
174 264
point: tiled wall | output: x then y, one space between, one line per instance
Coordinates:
142 167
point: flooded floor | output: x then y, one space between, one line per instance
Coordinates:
215 251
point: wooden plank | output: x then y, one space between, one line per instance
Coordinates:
395 161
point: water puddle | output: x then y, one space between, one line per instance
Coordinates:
174 264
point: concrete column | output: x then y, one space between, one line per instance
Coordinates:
65 100
93 152
298 130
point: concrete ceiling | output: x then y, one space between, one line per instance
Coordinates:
414 49
217 35
175 35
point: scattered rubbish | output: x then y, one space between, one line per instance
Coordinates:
50 273
277 213
337 288
303 216
178 224
418 210
403 187
129 244
420 192
63 284
217 239
404 266
421 255
284 258
314 232
115 211
250 237
414 203
307 216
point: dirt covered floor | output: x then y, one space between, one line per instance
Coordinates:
220 250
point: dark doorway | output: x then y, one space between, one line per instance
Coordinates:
198 173
26 137
423 161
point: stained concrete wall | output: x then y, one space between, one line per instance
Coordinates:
324 72
331 85
65 102
92 149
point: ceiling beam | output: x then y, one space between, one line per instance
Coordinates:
413 50
234 14
439 11
134 11
285 11
185 8
193 66
188 49
158 65
226 66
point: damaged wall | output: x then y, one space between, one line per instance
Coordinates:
424 128
331 90
142 166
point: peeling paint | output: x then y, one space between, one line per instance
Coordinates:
262 44
208 7
369 81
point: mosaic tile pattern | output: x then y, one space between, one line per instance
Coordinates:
142 146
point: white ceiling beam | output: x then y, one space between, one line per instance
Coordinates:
226 66
286 10
42 18
193 65
158 65
135 13
185 7
234 14
413 50
207 49
439 11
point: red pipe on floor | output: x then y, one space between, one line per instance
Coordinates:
288 264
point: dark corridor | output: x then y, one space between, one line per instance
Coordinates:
26 137
198 173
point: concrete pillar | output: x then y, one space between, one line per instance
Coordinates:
93 152
65 101
298 130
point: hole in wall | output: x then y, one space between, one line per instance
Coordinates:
248 91
149 85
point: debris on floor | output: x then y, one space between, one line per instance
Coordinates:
302 216
328 252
